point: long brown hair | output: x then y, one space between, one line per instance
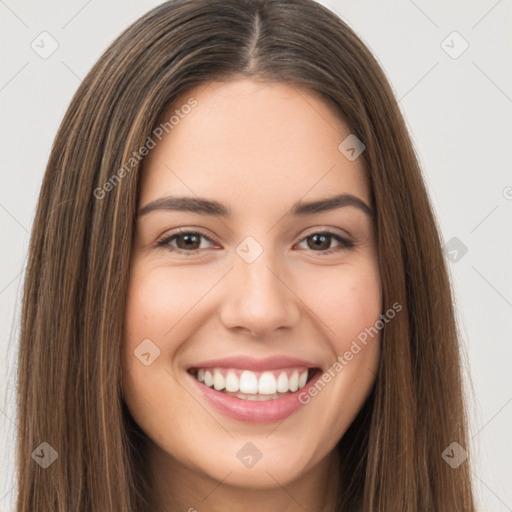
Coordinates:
69 379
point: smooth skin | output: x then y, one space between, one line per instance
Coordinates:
257 148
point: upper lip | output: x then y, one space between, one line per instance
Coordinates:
257 365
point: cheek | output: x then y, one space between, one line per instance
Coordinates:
348 304
163 305
158 298
156 301
150 314
345 301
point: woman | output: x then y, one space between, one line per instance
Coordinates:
236 297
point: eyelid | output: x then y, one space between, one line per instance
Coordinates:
331 230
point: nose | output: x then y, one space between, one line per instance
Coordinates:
259 297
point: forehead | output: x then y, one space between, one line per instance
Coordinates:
252 144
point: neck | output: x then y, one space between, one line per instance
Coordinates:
178 488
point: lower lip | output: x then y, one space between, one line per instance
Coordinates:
269 411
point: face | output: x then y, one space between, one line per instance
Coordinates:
240 307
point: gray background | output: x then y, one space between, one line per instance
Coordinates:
458 111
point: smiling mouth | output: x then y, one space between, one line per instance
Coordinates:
255 386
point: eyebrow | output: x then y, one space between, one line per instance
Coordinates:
210 207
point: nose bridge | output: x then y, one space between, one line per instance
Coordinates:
258 298
258 282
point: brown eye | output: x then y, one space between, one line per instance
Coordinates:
190 241
321 242
186 242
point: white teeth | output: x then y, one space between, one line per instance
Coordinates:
267 384
218 380
294 381
282 383
303 379
248 382
232 382
249 386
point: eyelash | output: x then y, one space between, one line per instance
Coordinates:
164 242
